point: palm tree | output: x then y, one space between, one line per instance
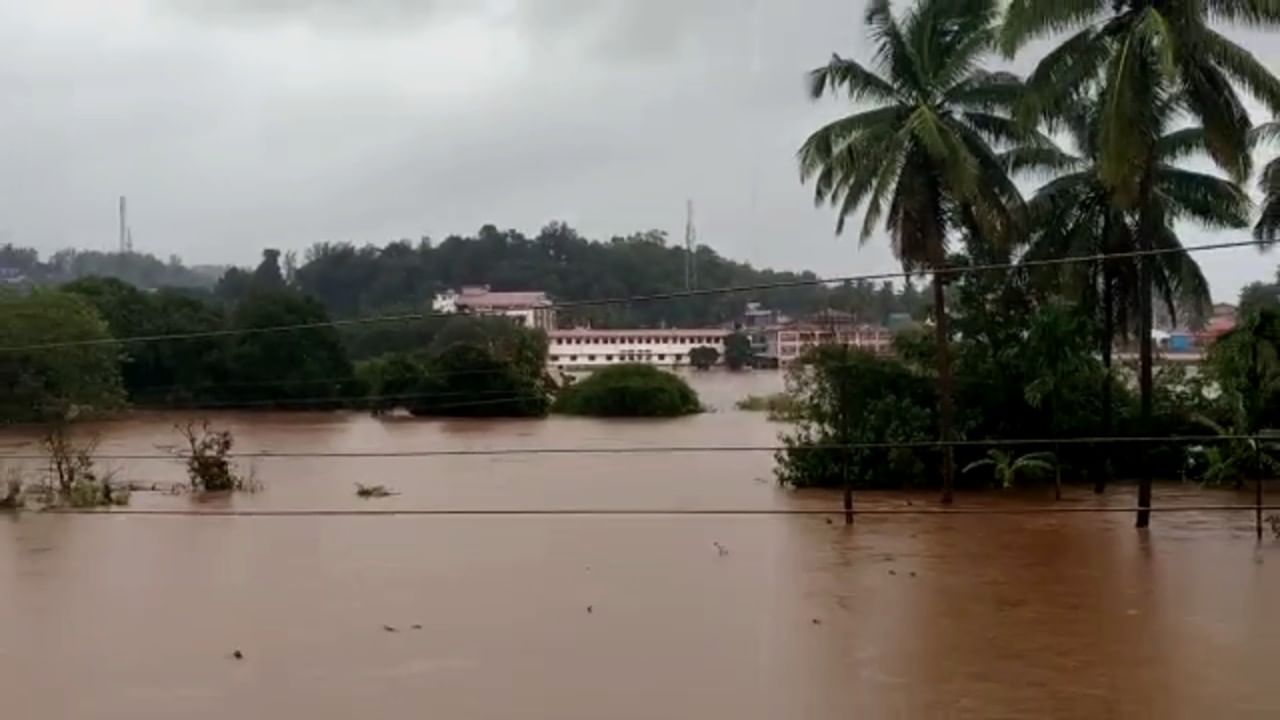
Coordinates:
923 158
1268 228
1137 52
1073 215
1142 56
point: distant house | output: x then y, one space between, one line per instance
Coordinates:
11 275
531 309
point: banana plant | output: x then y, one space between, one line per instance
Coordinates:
1005 467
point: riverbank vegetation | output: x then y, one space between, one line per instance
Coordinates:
207 455
629 390
932 151
1136 125
779 406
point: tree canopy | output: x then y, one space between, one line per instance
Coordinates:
57 383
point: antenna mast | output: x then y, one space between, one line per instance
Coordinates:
690 243
126 232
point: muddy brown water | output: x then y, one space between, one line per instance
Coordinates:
1073 616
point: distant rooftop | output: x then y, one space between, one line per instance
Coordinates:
653 332
481 296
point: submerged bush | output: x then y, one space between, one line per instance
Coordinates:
74 478
208 460
631 390
780 406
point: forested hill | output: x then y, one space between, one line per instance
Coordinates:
354 280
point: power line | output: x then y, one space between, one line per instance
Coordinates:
360 402
683 449
655 297
293 381
640 512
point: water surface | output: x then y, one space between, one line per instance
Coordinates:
906 616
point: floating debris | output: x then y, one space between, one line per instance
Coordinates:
389 628
237 655
816 621
720 549
589 609
373 491
416 626
893 572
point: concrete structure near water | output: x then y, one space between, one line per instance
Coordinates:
587 348
787 343
530 309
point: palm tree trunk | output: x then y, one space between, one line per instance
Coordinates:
1145 350
945 410
1108 336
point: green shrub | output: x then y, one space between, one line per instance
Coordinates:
631 390
780 406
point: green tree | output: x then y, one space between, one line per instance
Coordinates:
1074 215
172 370
307 362
393 380
468 380
78 372
845 396
629 390
1146 56
703 357
1257 296
923 158
268 277
737 351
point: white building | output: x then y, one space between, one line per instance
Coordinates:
531 309
584 348
787 343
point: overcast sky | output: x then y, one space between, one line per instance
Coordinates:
238 124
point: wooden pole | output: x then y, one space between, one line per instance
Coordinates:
1257 488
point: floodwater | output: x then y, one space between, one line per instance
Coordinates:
616 616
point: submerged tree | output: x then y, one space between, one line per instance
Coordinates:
1143 56
1073 215
922 159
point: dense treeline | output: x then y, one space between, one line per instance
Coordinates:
216 354
351 281
22 266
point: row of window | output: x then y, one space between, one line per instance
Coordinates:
622 357
824 337
639 340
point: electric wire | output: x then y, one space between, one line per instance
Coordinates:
946 271
685 449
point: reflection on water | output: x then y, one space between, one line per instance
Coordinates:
921 616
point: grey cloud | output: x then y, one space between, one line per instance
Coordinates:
350 13
238 124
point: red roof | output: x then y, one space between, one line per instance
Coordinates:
487 299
